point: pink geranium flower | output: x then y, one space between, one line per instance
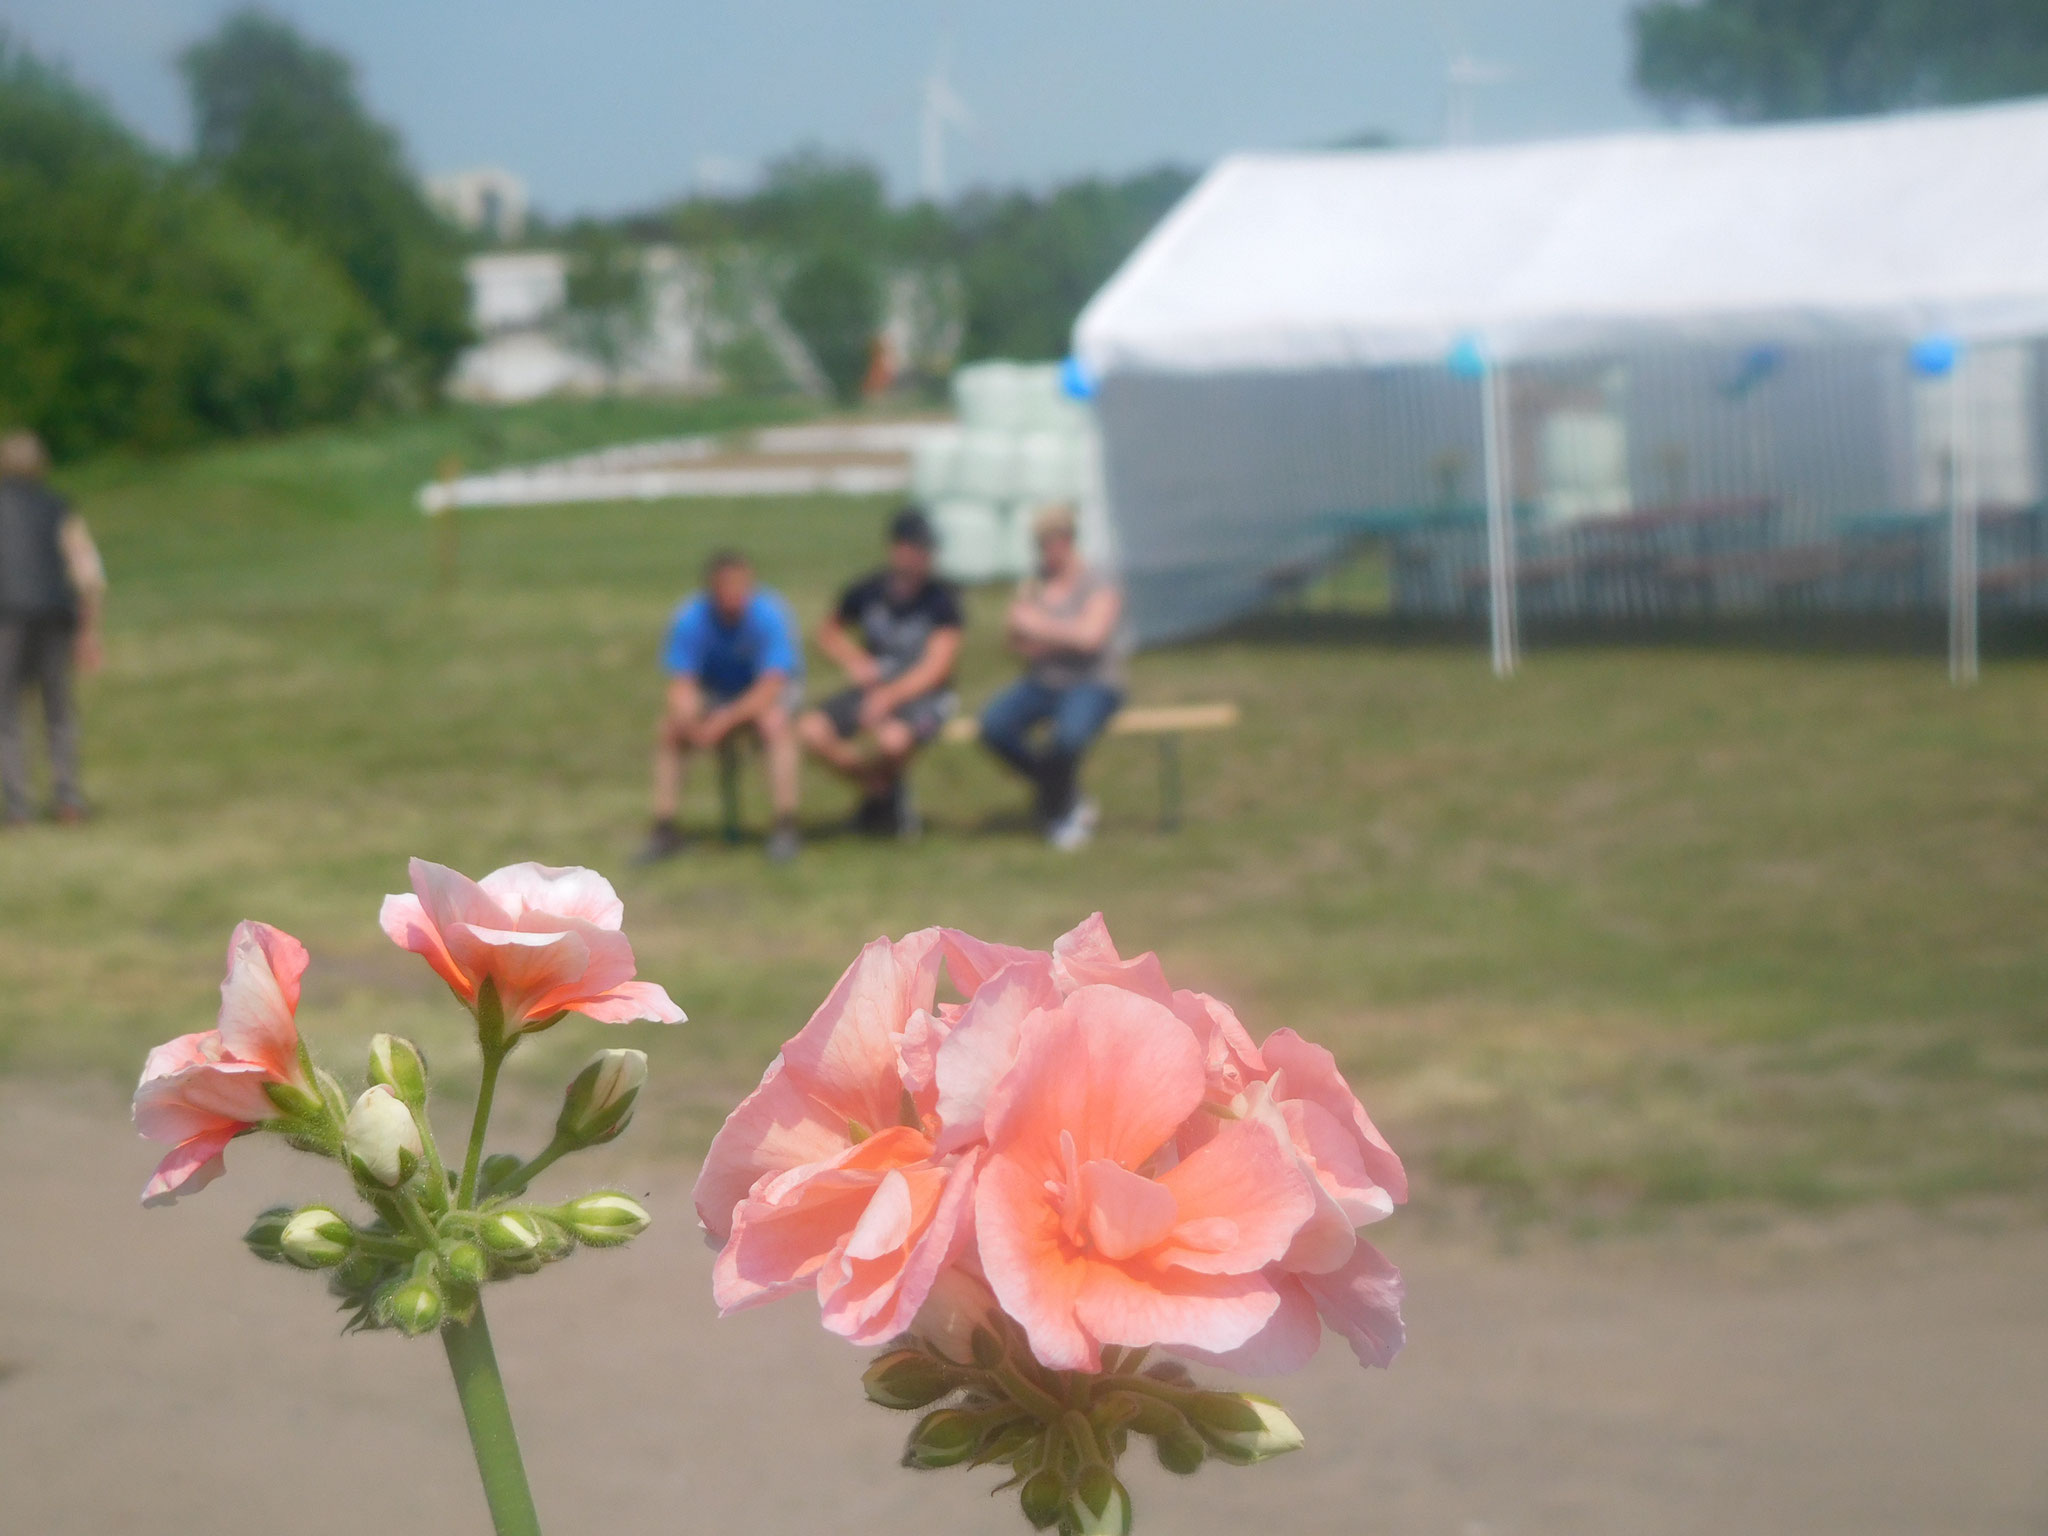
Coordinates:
1090 1232
546 940
200 1091
827 1176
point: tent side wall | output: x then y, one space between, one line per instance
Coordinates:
1229 490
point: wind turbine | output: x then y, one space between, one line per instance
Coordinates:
1464 75
941 109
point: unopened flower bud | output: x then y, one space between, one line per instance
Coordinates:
1182 1453
381 1138
416 1305
556 1240
466 1264
511 1236
598 1105
1044 1498
907 1378
398 1065
943 1438
494 1174
265 1236
1100 1505
317 1238
605 1219
1242 1428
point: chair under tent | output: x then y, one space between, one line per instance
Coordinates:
1638 378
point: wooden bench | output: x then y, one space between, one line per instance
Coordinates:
1166 723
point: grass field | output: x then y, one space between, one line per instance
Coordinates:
1640 931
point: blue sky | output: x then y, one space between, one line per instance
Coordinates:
609 104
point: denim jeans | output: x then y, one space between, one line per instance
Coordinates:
1072 717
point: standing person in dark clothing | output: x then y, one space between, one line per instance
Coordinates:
51 585
895 634
1067 625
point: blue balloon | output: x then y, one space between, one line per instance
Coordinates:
1076 381
1935 356
1468 358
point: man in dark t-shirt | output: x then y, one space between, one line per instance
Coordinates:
895 634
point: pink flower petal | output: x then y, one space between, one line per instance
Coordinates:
1176 1308
189 1167
1312 1074
1086 957
1362 1301
970 962
258 998
981 1047
540 889
1246 1177
1287 1342
777 1127
1127 1213
1116 1070
1034 1274
406 924
877 1289
631 1001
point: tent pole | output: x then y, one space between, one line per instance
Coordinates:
1962 532
1500 526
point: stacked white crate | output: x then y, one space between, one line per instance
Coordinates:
1022 444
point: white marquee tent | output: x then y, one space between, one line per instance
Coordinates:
1239 349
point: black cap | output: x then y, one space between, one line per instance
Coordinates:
910 526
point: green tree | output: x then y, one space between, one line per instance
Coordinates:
279 123
833 301
607 292
141 306
1031 263
1765 59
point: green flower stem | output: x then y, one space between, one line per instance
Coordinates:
482 1390
494 1058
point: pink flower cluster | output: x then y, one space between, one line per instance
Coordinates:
1115 1161
546 940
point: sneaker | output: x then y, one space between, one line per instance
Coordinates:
783 845
1075 830
664 841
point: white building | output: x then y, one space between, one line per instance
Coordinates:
486 200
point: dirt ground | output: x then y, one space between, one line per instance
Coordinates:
1871 1377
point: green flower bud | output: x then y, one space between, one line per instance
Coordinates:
943 1438
511 1236
907 1378
398 1065
381 1138
556 1240
416 1305
1242 1428
1100 1506
1182 1453
466 1264
265 1236
605 1219
494 1174
598 1105
1044 1498
1146 1414
317 1238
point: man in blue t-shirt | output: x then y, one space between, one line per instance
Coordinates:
734 662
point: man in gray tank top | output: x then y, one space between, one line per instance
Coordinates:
51 583
1067 625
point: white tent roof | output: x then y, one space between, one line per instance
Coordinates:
1897 227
